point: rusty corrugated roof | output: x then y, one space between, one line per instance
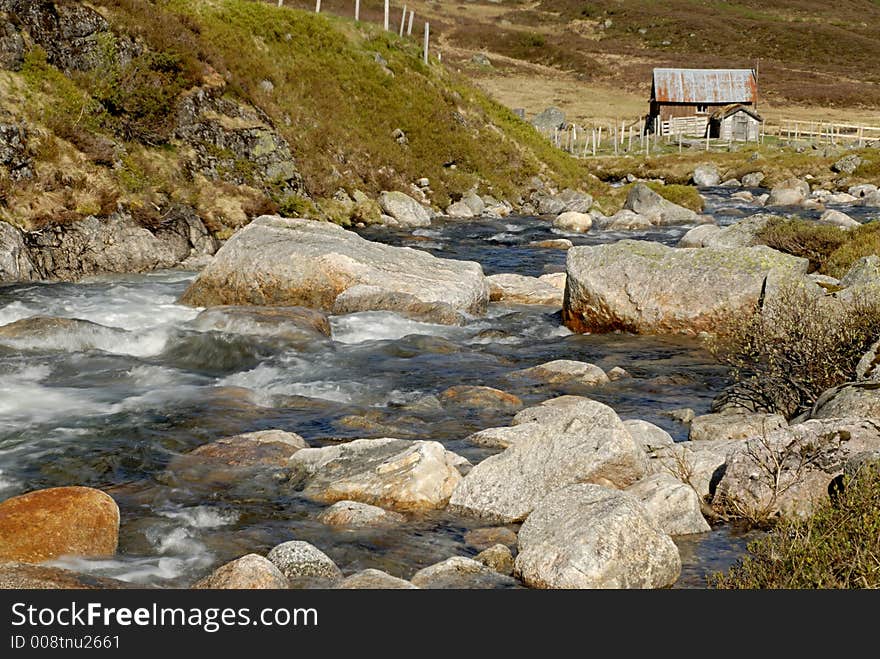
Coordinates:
705 86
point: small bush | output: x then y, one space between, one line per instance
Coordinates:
837 547
785 355
861 241
812 241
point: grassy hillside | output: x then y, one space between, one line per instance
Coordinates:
334 90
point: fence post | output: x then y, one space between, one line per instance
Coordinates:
387 9
280 3
409 28
402 20
357 10
427 39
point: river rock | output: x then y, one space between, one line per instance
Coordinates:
739 234
838 219
625 220
565 440
459 210
553 243
573 222
734 425
554 279
489 536
706 176
752 179
860 400
791 192
15 261
356 514
699 465
298 560
565 371
847 165
674 505
405 210
480 398
872 200
650 437
59 521
587 536
271 448
731 183
26 576
459 572
789 471
295 262
617 286
862 190
288 323
520 289
498 557
374 580
393 473
743 195
643 200
250 572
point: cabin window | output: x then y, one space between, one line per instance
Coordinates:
702 108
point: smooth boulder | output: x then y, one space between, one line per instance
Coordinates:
372 579
573 222
661 212
354 514
562 441
588 536
277 261
392 473
674 505
565 371
405 210
791 192
250 572
301 560
734 425
459 573
59 521
520 289
648 288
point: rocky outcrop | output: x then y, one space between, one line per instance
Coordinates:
674 505
587 536
59 521
300 560
648 288
374 580
458 573
250 572
789 471
15 155
354 514
563 441
404 210
659 211
11 46
393 473
297 262
235 142
565 371
520 289
734 425
15 260
117 244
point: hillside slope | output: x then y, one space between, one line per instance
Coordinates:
234 108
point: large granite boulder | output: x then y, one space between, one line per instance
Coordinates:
645 287
295 262
405 210
661 212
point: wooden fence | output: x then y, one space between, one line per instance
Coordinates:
820 132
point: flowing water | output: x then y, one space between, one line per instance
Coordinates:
110 402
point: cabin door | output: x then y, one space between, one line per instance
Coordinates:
740 128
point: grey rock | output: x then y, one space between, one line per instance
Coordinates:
565 371
625 220
739 234
11 47
392 473
297 559
15 260
867 368
699 465
862 190
674 505
459 210
727 425
519 289
619 286
649 436
405 210
356 514
480 59
860 400
839 219
459 572
15 151
296 262
643 200
791 192
288 323
753 179
566 440
731 183
548 120
573 222
587 536
871 200
847 165
706 176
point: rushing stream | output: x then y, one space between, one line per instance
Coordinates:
112 402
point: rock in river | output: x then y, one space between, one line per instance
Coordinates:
405 210
25 576
374 580
563 441
356 514
661 212
565 371
459 572
59 521
393 473
520 289
249 572
297 559
674 505
587 536
645 287
278 261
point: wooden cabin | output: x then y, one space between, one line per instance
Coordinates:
736 123
684 100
